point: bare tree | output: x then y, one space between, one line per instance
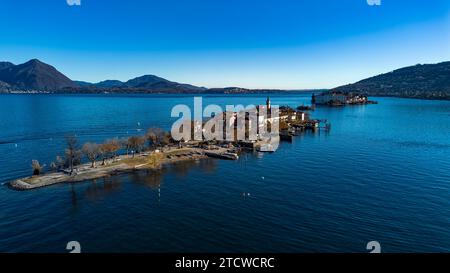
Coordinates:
124 145
53 166
166 139
136 143
59 162
103 153
154 136
37 168
92 152
72 152
114 146
109 149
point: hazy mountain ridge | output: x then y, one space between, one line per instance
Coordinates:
4 65
109 83
428 81
37 77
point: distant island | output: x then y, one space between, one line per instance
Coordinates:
428 81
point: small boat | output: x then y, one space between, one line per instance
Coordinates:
226 155
266 148
286 137
233 156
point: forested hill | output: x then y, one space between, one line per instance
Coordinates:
430 81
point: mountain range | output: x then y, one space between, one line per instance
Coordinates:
33 75
38 77
144 83
431 81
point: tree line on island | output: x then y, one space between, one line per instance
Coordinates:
106 152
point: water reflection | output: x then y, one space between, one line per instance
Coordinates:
148 178
100 188
182 168
93 190
207 165
73 195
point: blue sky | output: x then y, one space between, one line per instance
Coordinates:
289 44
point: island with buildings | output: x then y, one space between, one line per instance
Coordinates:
337 98
151 151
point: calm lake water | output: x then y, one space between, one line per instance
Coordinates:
382 173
